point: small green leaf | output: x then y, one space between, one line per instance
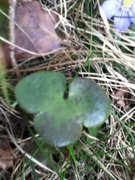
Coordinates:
57 119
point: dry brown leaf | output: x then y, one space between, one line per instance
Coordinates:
119 97
6 157
38 33
4 55
131 162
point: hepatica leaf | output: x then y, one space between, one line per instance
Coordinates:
92 101
57 119
39 90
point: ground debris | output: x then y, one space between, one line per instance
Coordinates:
6 155
119 97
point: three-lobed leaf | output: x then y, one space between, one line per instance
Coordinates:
57 119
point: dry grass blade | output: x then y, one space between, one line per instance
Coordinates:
97 161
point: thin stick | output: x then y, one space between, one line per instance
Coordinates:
12 7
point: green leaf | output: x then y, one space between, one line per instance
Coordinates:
59 126
57 119
39 90
92 101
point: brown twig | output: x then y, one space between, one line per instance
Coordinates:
12 7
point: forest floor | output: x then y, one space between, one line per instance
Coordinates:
93 49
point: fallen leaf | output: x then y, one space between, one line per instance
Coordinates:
119 97
4 55
37 29
121 103
6 157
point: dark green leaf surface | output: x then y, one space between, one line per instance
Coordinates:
91 100
58 120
